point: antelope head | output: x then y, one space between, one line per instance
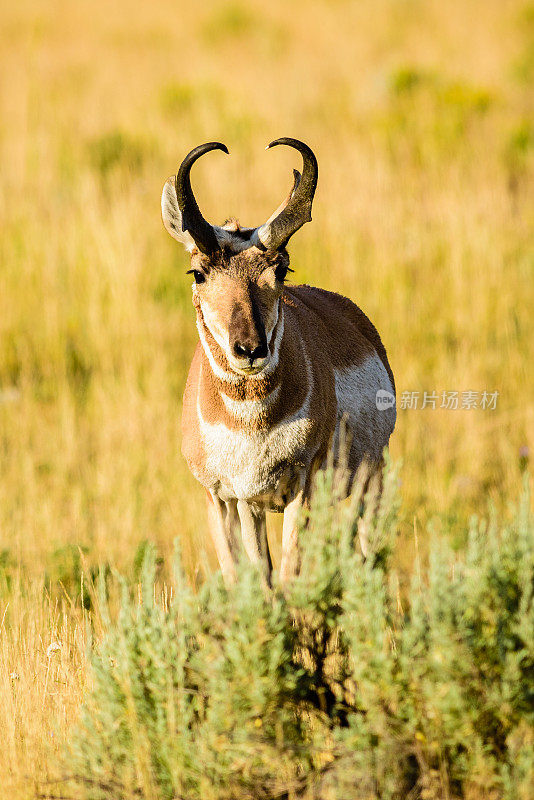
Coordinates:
239 272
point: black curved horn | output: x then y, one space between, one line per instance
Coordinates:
192 220
277 233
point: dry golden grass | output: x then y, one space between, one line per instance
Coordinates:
421 116
42 677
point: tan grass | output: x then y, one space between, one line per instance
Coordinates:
43 673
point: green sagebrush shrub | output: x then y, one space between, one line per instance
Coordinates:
338 690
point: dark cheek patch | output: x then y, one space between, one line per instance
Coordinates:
258 319
268 301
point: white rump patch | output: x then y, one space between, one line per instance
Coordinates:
356 391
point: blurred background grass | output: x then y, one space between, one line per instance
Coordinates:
421 117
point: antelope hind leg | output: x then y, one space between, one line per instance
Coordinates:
373 493
290 563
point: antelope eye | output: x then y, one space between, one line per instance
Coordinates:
197 275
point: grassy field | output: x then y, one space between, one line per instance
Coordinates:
421 115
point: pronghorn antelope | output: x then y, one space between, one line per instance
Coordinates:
278 371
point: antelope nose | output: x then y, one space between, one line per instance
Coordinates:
249 351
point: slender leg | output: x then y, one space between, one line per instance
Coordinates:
254 536
262 527
290 563
373 492
222 518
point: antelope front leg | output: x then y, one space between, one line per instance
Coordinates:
222 523
290 563
254 536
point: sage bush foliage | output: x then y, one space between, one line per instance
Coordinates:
346 686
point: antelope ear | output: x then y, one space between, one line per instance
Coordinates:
172 217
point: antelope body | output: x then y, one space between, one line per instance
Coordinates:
277 373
